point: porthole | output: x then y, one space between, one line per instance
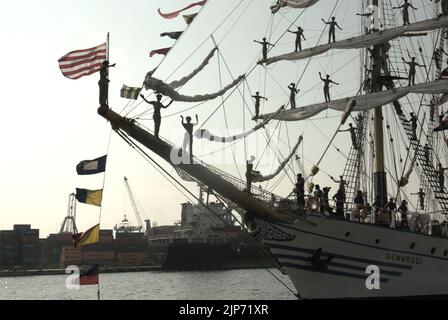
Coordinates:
433 250
412 246
377 241
445 253
347 234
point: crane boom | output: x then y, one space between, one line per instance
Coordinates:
133 203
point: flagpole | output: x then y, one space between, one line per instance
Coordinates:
107 46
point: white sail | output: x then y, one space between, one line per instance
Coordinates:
165 89
363 103
297 4
260 178
205 134
363 41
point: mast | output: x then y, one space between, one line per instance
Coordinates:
378 56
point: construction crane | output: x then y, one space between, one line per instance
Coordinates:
69 223
134 204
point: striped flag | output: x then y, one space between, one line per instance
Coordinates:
130 92
79 63
174 14
90 236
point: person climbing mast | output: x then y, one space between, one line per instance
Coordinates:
258 98
157 117
332 32
413 120
352 131
188 138
103 83
299 36
264 45
292 97
327 82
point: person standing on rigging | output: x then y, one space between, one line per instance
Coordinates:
352 131
156 116
103 83
332 32
412 64
188 138
258 98
444 5
327 82
292 97
265 45
299 36
406 5
441 177
421 197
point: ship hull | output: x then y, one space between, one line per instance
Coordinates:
328 258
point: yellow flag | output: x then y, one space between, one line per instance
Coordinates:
90 236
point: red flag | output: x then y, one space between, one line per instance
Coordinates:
89 277
79 63
163 51
174 14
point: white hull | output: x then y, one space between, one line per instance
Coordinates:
404 272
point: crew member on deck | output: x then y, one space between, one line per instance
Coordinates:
249 170
332 31
325 203
319 195
299 36
258 98
352 131
327 82
103 83
188 138
300 190
421 198
359 202
403 210
264 45
292 96
156 116
339 199
406 5
412 64
342 184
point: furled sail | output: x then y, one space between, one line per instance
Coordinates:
260 178
404 180
297 4
205 134
362 103
166 90
363 41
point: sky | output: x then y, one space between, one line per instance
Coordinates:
50 123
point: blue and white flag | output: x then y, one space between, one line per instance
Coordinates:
92 166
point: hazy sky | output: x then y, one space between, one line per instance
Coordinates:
50 122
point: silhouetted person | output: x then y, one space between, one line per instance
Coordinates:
406 5
391 205
358 201
426 152
327 82
188 138
325 203
265 45
339 199
299 36
441 177
403 210
292 96
352 131
319 195
249 170
103 83
342 184
412 64
332 31
300 190
156 116
413 120
258 98
421 198
377 205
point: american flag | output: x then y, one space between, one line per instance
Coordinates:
79 63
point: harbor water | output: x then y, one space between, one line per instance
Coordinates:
249 284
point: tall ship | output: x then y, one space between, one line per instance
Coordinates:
380 143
